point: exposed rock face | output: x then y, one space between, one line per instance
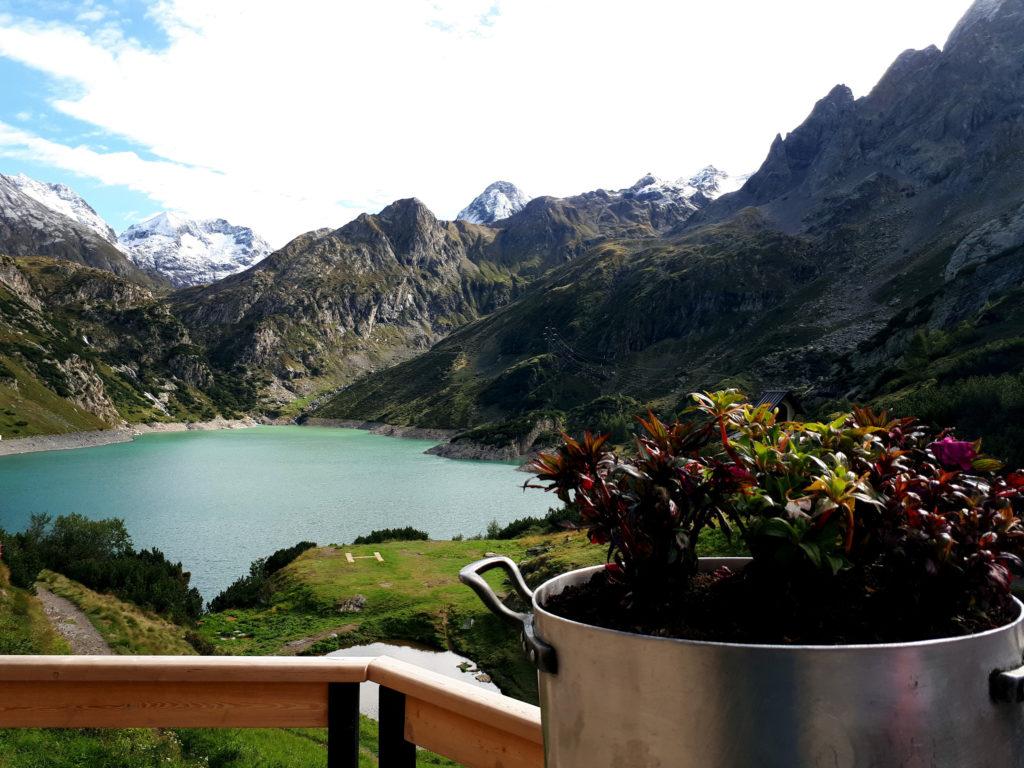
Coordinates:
13 280
499 201
192 252
85 389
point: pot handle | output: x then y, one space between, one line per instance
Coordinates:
540 653
1007 686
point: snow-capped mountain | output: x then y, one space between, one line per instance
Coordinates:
64 200
707 184
192 252
499 201
38 219
712 183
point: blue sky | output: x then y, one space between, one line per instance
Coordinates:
286 117
26 102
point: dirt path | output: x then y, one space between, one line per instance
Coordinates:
72 624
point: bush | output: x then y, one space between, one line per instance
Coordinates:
555 520
254 589
391 534
283 557
247 592
99 554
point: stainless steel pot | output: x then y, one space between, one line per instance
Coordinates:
622 700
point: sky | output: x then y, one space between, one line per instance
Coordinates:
287 117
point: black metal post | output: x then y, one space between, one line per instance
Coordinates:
343 725
394 750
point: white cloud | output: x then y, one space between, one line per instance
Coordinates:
274 114
198 191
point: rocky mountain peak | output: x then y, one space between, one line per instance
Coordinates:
498 201
192 251
712 182
62 199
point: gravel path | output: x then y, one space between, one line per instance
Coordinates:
74 625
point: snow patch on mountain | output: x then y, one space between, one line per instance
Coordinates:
61 199
712 183
190 251
499 201
694 191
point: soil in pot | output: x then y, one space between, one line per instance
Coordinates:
754 607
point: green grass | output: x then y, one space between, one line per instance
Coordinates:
126 628
30 408
24 628
413 595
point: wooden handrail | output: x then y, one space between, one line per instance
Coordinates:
199 669
450 717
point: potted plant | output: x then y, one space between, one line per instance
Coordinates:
872 625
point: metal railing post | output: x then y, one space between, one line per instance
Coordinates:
342 725
393 750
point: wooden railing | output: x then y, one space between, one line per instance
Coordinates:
417 707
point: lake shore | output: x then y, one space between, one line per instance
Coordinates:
92 439
380 428
447 447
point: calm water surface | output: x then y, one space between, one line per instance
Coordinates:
218 500
443 662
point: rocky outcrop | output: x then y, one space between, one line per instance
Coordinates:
85 389
14 281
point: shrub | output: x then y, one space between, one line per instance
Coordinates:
283 557
203 646
555 520
391 534
254 589
248 591
99 554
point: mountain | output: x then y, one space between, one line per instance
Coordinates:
62 225
61 199
712 183
876 255
192 252
499 201
333 305
82 348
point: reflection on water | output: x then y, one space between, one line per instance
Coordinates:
443 662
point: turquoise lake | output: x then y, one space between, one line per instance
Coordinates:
218 500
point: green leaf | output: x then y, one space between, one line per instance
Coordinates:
779 528
813 551
986 464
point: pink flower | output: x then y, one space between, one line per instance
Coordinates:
954 453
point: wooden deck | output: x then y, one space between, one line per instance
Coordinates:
418 707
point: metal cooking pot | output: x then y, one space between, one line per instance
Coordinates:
623 700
